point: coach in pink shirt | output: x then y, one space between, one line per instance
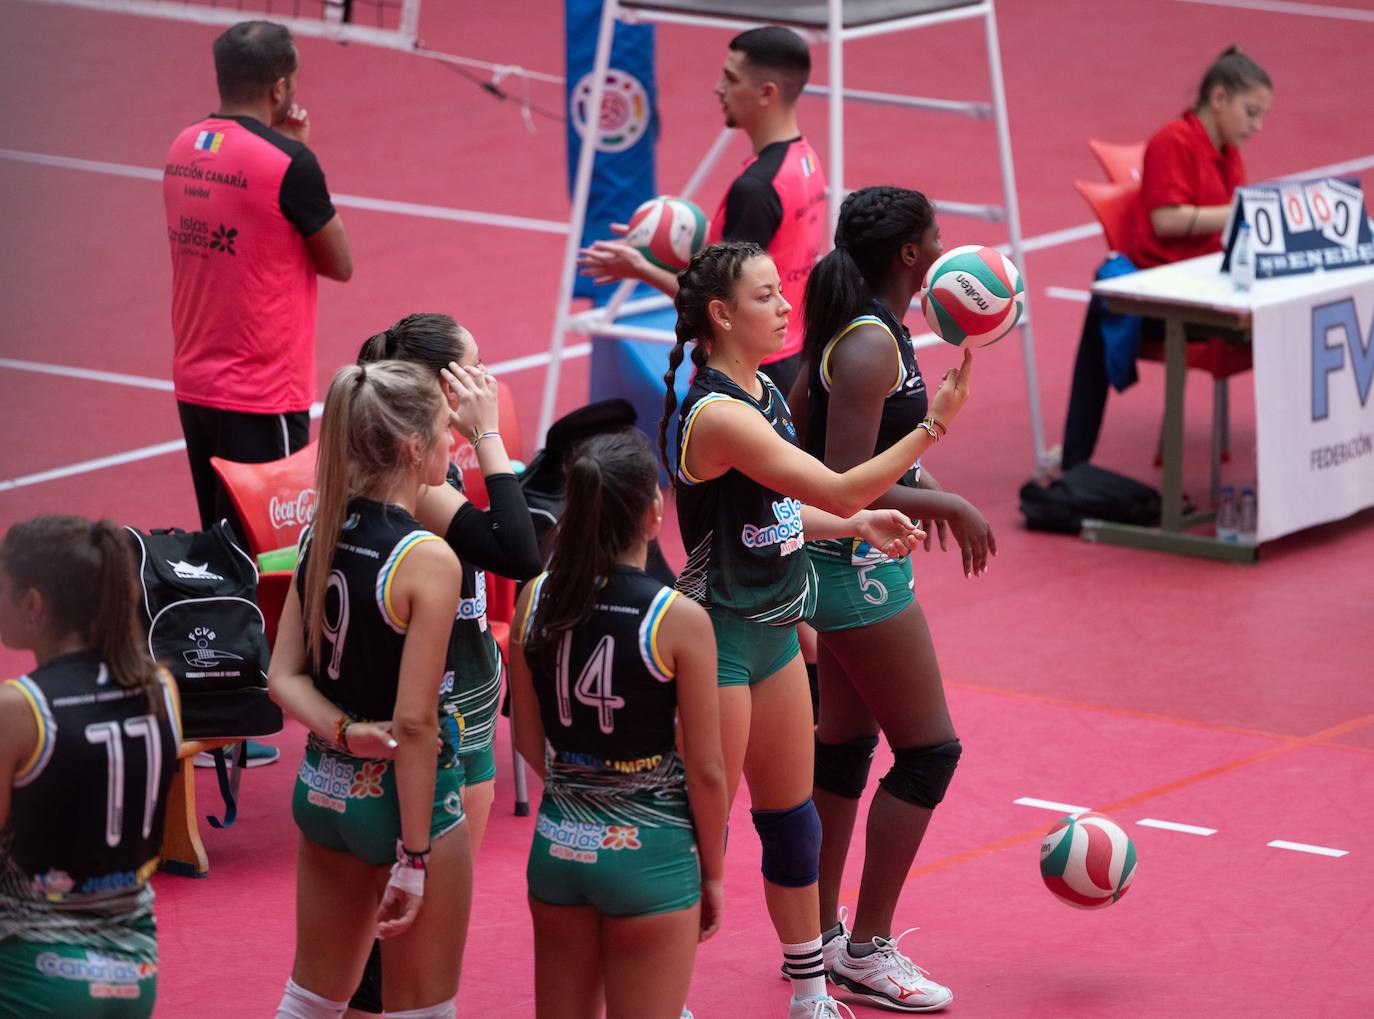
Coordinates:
250 225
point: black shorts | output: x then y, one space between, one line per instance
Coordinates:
243 438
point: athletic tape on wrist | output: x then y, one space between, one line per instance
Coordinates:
410 880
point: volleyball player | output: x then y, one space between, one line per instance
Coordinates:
500 539
359 660
741 484
88 747
876 660
625 868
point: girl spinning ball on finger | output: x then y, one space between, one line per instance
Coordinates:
748 499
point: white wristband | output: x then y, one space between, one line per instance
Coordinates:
410 880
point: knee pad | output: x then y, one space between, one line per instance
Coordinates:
842 768
920 775
444 1010
791 844
298 1003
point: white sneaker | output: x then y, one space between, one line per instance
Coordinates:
823 1007
889 979
833 947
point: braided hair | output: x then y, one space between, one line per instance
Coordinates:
711 275
874 224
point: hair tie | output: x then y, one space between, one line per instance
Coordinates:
362 375
389 344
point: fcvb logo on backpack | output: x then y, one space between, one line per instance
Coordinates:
295 512
203 656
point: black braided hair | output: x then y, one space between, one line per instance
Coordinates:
711 275
874 224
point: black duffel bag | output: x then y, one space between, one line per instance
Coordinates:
1088 492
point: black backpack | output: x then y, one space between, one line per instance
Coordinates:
1087 491
203 623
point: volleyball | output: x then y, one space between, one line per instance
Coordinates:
1087 860
668 231
973 296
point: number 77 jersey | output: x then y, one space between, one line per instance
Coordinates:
88 804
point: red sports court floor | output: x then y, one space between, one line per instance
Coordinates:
1227 698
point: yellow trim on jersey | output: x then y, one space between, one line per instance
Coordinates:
862 320
709 398
39 719
519 633
658 608
392 567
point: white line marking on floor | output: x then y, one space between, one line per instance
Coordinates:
1064 808
1302 847
100 463
89 374
343 201
1284 7
1187 829
1069 294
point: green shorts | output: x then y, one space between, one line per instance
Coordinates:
859 594
747 652
39 979
617 869
478 766
350 804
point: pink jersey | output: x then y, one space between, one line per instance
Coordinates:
240 201
778 202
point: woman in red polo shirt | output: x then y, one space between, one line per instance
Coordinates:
1192 167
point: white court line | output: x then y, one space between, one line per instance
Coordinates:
1069 294
69 372
1063 808
1284 7
1187 829
342 201
1302 847
100 463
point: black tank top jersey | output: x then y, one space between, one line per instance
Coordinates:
360 653
907 402
610 699
474 657
744 542
86 813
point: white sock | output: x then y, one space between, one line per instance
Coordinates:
298 1003
805 966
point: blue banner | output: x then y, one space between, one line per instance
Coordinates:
623 173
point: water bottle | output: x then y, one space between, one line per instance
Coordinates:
1242 262
1247 526
1228 516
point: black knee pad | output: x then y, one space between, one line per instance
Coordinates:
791 844
842 768
920 775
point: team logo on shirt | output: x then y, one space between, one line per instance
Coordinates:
209 141
54 885
786 531
223 239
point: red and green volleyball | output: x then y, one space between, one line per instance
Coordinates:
1087 860
668 231
973 296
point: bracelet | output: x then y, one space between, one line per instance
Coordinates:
933 428
341 732
483 435
410 858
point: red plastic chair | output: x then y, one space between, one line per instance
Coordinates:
274 500
1121 163
1114 205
